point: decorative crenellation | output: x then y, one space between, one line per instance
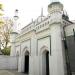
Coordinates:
43 25
40 25
28 28
36 26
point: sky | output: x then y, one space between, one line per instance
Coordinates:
29 9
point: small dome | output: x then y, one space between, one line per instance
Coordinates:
40 18
55 7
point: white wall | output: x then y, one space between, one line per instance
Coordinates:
8 62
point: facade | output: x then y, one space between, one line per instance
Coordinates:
46 45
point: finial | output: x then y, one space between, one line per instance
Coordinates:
41 12
64 12
32 20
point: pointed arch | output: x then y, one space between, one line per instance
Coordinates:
26 61
43 49
44 60
26 50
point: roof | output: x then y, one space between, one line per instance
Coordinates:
53 3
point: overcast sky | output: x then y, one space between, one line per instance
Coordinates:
29 9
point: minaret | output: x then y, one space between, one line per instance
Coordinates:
14 34
57 61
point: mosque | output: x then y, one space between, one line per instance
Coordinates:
46 46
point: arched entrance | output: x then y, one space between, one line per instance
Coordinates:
26 63
45 63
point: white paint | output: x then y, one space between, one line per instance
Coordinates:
35 38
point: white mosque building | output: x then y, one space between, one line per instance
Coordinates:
46 46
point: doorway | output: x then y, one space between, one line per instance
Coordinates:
45 63
26 63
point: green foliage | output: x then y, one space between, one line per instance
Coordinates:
6 51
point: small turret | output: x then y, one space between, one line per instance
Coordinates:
55 7
14 34
55 10
15 19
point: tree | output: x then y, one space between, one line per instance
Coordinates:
5 29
